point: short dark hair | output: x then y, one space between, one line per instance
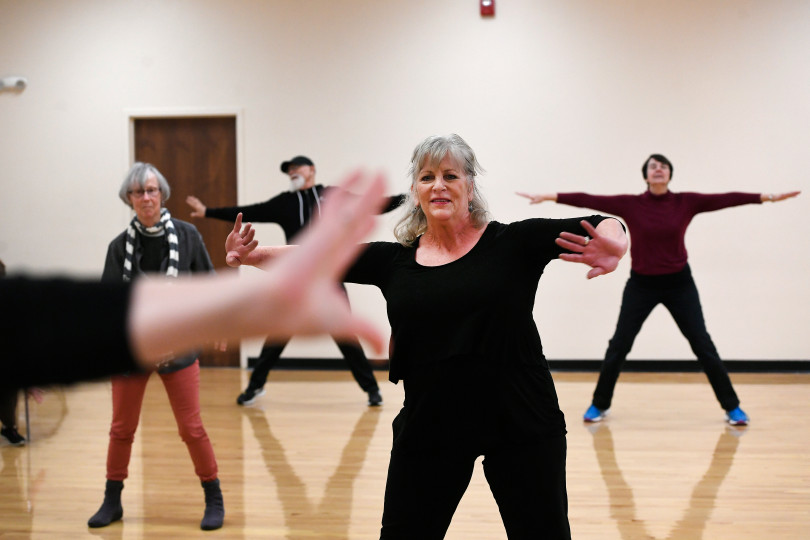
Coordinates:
661 159
297 161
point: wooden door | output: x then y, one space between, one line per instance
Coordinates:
197 155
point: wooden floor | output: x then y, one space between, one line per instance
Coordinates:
309 459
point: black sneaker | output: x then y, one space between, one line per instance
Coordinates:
249 395
12 436
374 398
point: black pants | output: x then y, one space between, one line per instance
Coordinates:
351 350
528 483
681 298
8 407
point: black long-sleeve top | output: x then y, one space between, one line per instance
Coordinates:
464 340
291 210
58 330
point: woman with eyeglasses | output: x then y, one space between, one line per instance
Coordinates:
157 246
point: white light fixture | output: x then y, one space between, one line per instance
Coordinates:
13 83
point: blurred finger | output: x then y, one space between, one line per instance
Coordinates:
571 245
248 233
572 257
346 220
590 229
364 330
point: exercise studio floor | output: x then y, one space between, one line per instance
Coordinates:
309 460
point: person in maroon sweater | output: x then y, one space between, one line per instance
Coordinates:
657 220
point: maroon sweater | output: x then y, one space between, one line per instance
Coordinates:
657 223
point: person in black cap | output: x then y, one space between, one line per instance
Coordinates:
293 210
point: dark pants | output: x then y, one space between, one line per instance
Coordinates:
683 303
351 350
528 483
8 407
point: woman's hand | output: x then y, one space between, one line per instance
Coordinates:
198 208
35 393
602 251
242 249
538 197
776 197
240 243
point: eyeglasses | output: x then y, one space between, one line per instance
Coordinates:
150 191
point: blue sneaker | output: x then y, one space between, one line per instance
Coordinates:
593 414
737 417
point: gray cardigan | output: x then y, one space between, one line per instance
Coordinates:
193 258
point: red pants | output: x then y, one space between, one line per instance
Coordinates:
183 389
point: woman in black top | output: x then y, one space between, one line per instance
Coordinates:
460 291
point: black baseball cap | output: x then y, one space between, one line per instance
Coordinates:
296 161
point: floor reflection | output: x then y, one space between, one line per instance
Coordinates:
16 510
331 515
47 416
20 476
701 503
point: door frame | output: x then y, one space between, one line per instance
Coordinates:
133 114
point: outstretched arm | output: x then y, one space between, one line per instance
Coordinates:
602 249
537 198
299 294
241 249
776 197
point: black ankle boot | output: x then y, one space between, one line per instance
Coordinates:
111 509
214 506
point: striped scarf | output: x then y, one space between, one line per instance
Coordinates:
164 226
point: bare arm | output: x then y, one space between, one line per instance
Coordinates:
776 197
602 251
537 198
299 294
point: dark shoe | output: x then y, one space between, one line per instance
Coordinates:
249 395
374 398
12 436
214 506
111 509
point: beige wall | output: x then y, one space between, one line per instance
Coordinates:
553 95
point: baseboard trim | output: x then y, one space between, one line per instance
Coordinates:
656 366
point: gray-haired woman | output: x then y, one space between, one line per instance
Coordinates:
460 291
158 245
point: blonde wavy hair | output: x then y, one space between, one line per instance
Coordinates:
430 152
